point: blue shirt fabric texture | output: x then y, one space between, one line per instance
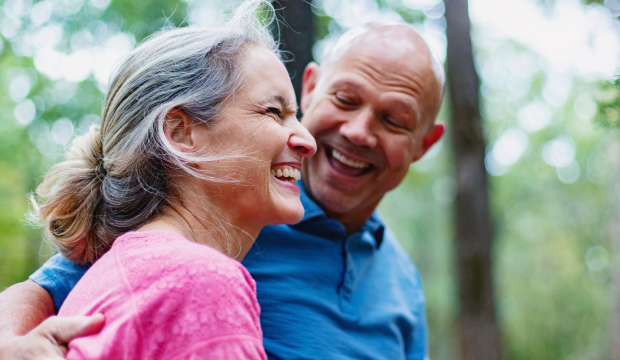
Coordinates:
323 294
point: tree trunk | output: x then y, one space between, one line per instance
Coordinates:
296 37
614 239
478 333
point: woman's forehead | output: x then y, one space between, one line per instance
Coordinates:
266 75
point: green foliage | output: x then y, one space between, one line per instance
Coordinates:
609 105
19 164
27 151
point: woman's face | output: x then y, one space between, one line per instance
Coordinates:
260 124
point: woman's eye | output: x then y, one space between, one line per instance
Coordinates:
274 111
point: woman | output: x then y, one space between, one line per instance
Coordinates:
198 149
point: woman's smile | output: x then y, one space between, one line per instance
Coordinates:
286 173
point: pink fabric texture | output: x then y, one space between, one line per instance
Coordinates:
165 297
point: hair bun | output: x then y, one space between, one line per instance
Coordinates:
70 195
88 149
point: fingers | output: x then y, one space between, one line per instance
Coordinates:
93 325
48 341
64 329
32 346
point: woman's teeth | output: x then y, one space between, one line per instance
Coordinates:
349 162
286 173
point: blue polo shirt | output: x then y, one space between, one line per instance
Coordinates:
323 294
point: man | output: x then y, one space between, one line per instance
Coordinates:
337 284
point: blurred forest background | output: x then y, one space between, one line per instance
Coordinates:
553 156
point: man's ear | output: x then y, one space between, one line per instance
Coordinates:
432 136
308 84
180 130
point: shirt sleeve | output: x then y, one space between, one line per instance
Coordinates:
58 276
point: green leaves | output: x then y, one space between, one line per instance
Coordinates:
608 115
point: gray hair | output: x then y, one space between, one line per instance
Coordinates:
120 175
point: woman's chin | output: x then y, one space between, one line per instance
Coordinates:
290 215
297 218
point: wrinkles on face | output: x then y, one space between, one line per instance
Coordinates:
376 107
388 76
383 81
391 59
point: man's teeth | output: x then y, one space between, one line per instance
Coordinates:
347 161
286 173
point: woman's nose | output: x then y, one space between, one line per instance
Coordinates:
302 142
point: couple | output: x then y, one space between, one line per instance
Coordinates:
198 150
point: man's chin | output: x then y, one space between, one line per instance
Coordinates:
334 200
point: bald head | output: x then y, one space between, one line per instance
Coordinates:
395 47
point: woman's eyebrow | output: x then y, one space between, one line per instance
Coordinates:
282 101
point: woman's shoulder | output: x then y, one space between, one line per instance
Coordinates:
175 293
172 278
159 255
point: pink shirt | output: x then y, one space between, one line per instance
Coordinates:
165 297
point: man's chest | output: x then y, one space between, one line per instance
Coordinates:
321 296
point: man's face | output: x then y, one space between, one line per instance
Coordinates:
370 111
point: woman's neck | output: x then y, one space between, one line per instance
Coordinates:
228 238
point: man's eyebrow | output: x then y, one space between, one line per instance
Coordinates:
345 82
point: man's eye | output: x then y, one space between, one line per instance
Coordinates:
274 111
344 101
392 123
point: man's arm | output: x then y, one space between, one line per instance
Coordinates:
28 329
23 307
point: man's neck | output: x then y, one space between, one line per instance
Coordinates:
352 222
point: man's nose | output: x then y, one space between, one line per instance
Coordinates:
360 128
302 142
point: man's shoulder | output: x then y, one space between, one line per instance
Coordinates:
392 246
393 253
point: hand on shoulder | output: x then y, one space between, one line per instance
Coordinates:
49 340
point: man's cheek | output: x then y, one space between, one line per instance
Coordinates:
327 117
399 159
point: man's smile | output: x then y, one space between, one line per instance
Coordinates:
345 164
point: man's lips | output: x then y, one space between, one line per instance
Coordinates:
354 167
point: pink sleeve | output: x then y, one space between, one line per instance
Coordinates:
190 303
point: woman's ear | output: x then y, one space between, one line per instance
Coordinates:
180 130
308 83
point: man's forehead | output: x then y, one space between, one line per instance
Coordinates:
399 39
394 44
383 57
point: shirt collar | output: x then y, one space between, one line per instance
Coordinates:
311 209
374 224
